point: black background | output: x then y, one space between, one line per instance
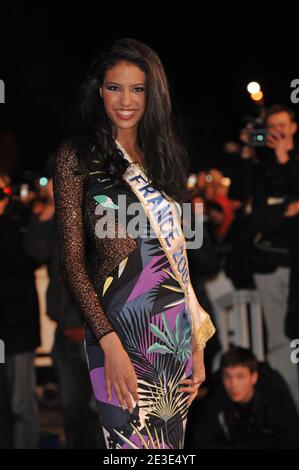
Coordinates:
209 59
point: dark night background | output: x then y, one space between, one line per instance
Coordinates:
46 53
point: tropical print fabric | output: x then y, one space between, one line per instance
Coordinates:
146 306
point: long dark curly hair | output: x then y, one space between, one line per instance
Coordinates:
165 157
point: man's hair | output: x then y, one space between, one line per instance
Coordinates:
280 108
238 356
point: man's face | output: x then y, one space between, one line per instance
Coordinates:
239 383
282 123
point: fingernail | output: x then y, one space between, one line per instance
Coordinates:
124 407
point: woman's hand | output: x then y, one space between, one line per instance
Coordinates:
119 371
198 376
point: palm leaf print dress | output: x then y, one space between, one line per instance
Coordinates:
125 285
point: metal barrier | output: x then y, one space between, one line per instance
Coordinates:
240 321
238 315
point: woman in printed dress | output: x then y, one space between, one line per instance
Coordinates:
145 363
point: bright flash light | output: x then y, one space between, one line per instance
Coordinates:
43 181
257 96
253 87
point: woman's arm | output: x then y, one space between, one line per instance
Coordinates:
68 195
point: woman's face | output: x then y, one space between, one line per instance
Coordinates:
123 94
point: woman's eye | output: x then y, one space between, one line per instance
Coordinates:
112 87
138 89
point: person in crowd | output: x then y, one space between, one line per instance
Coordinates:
19 329
250 407
264 236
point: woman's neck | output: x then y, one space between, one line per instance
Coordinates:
129 143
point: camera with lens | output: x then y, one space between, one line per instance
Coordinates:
257 133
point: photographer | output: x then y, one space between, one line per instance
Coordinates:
275 190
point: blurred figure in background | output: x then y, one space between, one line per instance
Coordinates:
250 408
275 192
80 420
213 187
19 328
264 236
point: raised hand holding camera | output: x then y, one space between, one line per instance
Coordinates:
277 141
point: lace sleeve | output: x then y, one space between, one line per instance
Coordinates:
68 194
